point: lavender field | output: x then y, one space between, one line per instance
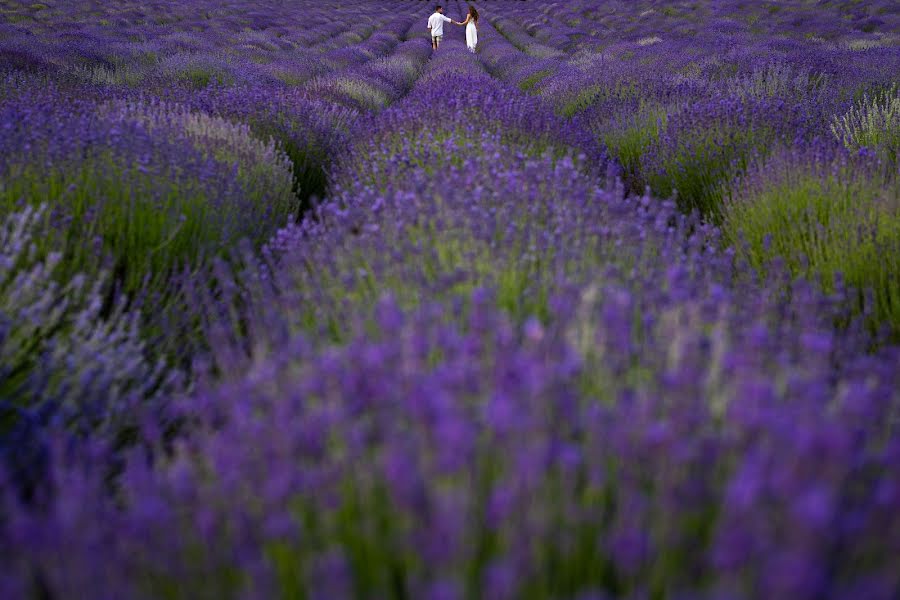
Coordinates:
293 306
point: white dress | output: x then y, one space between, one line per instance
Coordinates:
471 36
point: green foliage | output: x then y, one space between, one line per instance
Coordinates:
705 145
145 221
200 77
695 168
530 82
367 95
629 141
872 123
825 220
780 80
622 91
584 99
57 346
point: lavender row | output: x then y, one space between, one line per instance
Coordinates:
690 101
446 451
192 46
140 193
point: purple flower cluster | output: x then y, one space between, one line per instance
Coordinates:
456 355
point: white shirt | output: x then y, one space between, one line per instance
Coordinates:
436 21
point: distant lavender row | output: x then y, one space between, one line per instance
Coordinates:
193 43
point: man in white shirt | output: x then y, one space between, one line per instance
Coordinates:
436 25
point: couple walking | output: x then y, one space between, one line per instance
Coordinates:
436 25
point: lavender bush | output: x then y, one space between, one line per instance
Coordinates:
147 188
874 124
69 360
829 214
707 143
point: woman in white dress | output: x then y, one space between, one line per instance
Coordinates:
471 24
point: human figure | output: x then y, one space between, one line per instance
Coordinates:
471 24
436 25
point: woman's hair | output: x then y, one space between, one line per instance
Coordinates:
474 13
